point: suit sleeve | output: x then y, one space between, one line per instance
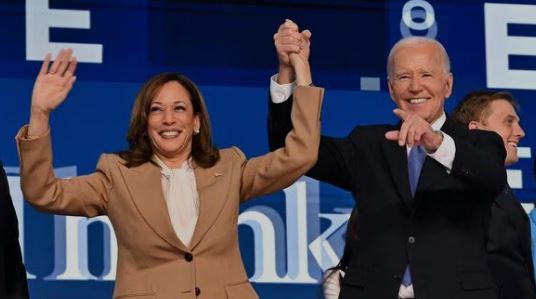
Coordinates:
280 168
334 154
481 163
79 196
16 285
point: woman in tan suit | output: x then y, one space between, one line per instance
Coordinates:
172 197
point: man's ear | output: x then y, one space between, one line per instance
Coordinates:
448 85
473 125
390 86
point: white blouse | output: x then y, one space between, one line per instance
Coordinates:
182 199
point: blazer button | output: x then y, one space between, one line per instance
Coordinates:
188 257
411 239
197 291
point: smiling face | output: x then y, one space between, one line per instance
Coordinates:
501 117
419 81
171 123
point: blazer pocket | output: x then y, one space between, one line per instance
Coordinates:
135 287
476 280
240 290
141 295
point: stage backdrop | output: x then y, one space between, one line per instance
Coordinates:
227 48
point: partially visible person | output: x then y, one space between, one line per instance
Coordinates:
532 217
333 276
492 111
13 284
509 234
172 197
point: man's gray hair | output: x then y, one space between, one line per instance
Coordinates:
417 40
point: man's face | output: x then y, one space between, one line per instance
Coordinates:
503 119
419 82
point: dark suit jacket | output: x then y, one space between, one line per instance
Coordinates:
441 232
509 248
12 272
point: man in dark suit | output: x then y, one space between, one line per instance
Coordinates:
509 237
423 187
13 283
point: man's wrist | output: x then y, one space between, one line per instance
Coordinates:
285 75
435 145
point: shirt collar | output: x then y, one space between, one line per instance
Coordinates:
436 125
167 171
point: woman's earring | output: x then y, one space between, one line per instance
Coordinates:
196 131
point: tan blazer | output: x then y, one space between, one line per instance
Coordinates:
152 261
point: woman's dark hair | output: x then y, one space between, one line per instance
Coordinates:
140 150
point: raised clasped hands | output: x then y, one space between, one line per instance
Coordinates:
293 48
415 131
54 81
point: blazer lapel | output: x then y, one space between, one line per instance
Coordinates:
397 159
212 187
145 187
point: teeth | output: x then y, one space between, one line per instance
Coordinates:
169 134
417 101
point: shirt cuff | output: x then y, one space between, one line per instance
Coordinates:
446 152
406 292
280 92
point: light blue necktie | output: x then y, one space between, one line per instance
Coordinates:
415 161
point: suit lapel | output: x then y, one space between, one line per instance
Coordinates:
398 162
432 170
397 159
145 187
212 187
